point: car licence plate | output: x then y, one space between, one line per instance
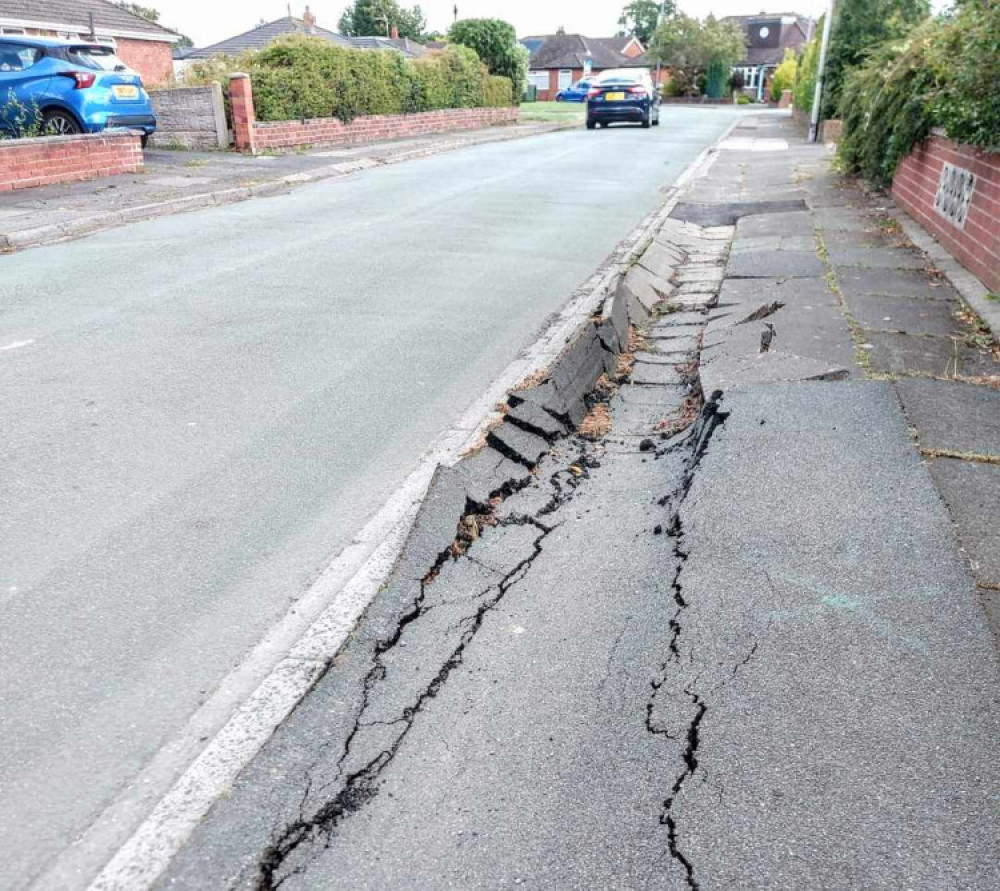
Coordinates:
614 97
123 91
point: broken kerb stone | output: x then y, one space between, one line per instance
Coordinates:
660 261
682 318
436 524
666 332
649 289
537 420
671 358
517 444
489 473
615 312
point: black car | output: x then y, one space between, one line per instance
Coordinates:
623 96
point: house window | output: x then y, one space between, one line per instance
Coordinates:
565 78
539 79
12 31
750 78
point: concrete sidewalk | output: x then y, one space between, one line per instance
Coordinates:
705 624
178 181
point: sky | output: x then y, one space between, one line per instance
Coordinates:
209 21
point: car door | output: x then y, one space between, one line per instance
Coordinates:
23 82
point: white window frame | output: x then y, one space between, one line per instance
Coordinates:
539 78
565 78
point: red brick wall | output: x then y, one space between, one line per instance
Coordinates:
153 59
60 159
977 245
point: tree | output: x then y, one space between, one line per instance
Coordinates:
784 75
144 12
682 42
496 43
858 26
640 18
377 18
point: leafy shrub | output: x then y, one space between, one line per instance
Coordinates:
23 121
496 44
784 75
743 99
943 73
805 74
716 76
301 77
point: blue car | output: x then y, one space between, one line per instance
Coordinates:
623 96
72 87
576 93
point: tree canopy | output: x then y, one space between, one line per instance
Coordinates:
640 18
858 26
682 42
496 43
377 18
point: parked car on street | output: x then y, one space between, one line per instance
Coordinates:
576 93
623 95
72 87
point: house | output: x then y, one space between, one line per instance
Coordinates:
559 60
768 36
266 32
141 44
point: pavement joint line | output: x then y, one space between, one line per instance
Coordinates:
55 233
167 799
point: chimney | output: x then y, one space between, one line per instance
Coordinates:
309 20
395 33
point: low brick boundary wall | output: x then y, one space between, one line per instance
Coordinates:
253 136
190 118
974 238
45 161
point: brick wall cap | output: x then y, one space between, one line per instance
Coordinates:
110 133
239 75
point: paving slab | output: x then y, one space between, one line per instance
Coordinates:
537 420
876 258
840 219
655 374
806 291
776 264
953 415
744 245
904 314
935 356
972 492
892 283
795 223
727 372
518 444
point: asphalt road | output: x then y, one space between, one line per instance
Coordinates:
197 413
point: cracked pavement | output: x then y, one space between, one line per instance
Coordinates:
729 642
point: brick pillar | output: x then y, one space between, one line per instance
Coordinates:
786 99
244 118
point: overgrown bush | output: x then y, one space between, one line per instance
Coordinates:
805 74
302 77
784 75
495 41
944 73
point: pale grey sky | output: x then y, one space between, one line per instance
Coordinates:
208 21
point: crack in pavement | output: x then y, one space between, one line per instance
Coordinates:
360 786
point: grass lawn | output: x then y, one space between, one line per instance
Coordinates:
553 112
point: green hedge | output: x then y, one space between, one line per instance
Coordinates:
301 77
944 73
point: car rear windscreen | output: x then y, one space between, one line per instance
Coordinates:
99 58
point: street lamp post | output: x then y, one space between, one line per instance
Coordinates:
820 73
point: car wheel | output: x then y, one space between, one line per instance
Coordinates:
646 120
656 121
591 125
59 123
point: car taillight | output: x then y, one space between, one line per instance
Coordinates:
83 79
594 91
637 91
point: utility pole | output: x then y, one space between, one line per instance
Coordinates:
820 73
659 64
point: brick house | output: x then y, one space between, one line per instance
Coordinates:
559 60
141 44
768 36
